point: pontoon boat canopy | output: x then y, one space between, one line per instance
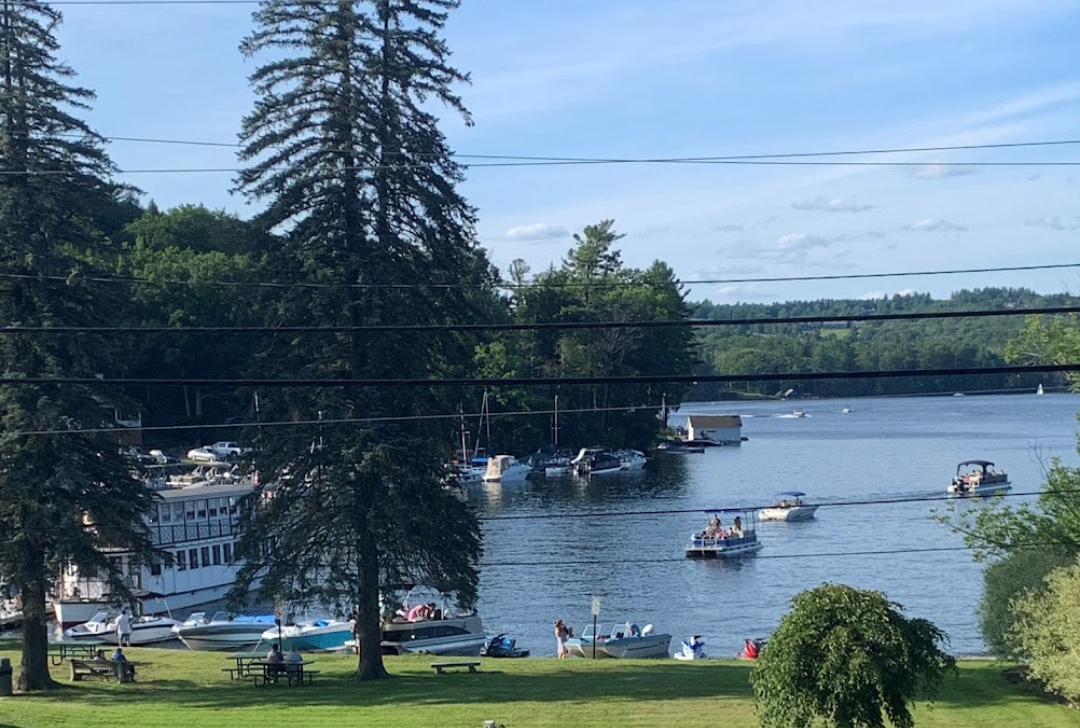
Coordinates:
984 464
795 493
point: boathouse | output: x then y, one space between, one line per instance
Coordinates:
723 429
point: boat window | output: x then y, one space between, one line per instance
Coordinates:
205 555
227 549
200 508
217 555
181 561
193 558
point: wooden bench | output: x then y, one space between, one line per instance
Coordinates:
120 671
438 667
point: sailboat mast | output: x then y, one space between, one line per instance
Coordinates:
556 423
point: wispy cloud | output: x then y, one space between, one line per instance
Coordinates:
938 170
935 225
541 233
847 203
1052 223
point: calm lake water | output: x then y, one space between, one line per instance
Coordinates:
886 448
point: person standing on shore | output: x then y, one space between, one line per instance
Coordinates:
561 633
123 629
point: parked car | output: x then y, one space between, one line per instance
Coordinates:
160 458
228 449
202 455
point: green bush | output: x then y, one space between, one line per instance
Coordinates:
1048 629
1019 572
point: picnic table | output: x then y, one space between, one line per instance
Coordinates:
243 664
295 673
120 670
63 649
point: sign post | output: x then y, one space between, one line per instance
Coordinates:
595 614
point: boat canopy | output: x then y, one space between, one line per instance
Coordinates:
793 493
984 464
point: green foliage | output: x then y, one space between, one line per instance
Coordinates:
61 499
1047 340
1017 573
1048 629
847 657
195 228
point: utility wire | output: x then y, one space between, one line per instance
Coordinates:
76 277
541 381
540 326
632 160
736 509
812 555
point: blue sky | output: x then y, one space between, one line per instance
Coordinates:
640 78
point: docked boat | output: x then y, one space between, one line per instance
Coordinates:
316 635
502 646
462 636
596 461
631 459
980 480
717 542
222 632
10 614
506 469
624 641
144 630
789 507
680 447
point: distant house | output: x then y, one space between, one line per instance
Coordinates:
725 429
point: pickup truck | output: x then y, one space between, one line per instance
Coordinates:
228 449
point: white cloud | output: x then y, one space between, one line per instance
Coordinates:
906 292
847 203
541 233
939 170
935 225
800 241
1051 223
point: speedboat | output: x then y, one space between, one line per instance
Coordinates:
982 479
144 630
624 641
799 413
631 459
846 411
716 542
325 635
596 461
692 649
462 635
505 469
221 632
789 508
680 447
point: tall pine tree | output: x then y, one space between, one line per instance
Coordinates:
359 181
62 498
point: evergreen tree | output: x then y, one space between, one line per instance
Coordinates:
360 183
62 498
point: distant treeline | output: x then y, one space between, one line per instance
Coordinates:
866 346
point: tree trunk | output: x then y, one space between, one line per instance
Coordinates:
368 619
34 668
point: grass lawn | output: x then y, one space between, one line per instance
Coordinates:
188 690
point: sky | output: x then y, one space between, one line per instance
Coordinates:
686 78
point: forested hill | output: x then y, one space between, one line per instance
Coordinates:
862 346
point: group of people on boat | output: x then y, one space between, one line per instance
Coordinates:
976 476
715 529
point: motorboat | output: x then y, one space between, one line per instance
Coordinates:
692 649
798 413
980 480
789 507
222 632
10 614
717 542
317 635
624 641
505 469
680 447
631 459
596 461
845 411
502 646
461 635
144 630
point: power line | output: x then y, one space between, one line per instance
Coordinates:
541 326
542 381
78 278
812 555
636 160
489 165
736 509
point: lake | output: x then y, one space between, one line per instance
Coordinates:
886 448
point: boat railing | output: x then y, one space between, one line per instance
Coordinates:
700 540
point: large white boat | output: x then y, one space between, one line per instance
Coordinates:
463 635
222 632
717 542
624 641
195 523
978 477
631 459
596 461
144 630
505 469
790 507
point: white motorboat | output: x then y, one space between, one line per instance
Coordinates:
631 459
323 635
846 411
144 630
790 507
505 469
596 461
222 632
798 413
980 480
717 542
624 641
10 614
462 635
